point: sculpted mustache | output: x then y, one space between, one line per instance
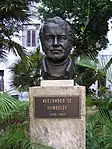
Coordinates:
56 49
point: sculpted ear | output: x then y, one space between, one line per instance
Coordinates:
42 41
43 47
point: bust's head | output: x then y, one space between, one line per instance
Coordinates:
56 39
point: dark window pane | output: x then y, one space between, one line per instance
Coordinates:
1 80
1 72
28 38
33 38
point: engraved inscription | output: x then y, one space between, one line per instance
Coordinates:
57 107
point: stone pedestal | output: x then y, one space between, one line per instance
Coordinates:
59 133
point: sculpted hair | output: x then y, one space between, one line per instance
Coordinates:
59 21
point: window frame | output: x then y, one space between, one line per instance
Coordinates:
31 44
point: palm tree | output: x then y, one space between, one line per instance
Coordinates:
26 72
12 14
101 68
99 118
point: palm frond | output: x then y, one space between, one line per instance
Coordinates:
85 61
16 48
100 65
3 55
7 106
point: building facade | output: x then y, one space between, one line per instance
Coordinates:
28 38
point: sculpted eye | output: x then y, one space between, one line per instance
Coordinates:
62 37
49 37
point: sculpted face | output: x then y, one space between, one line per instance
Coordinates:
56 42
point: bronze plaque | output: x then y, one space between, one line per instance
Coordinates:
57 107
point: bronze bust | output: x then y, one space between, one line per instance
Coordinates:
56 40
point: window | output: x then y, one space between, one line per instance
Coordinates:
31 38
28 38
1 80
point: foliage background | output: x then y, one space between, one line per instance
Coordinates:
88 19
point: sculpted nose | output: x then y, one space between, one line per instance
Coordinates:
55 41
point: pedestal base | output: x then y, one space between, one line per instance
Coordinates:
59 133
